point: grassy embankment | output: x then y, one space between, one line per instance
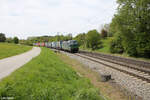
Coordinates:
46 77
7 50
109 91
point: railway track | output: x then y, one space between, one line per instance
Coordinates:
136 70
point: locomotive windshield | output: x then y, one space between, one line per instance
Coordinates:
73 42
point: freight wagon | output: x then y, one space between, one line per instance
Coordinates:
71 45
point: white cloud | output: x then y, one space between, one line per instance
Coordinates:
25 18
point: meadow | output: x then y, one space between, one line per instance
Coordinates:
47 77
8 49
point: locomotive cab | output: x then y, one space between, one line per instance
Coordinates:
73 46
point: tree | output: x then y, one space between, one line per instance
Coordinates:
68 37
16 40
114 27
93 40
107 28
132 21
81 38
116 44
2 37
103 33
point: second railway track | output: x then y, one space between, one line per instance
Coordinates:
130 69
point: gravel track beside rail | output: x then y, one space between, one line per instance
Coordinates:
8 65
132 84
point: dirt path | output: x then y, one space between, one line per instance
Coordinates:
8 65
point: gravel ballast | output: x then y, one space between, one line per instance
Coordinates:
136 87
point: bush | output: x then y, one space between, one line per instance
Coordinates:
29 43
130 48
16 40
93 40
143 45
116 45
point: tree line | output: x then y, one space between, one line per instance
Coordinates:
131 28
8 40
91 39
31 40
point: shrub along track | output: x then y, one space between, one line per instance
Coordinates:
139 69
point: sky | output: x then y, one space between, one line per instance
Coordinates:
25 18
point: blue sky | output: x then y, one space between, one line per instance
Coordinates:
25 18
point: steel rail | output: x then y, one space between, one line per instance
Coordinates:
121 70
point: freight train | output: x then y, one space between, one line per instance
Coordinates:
71 45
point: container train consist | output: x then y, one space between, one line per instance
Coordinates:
71 45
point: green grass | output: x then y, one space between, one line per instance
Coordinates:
7 49
106 46
46 77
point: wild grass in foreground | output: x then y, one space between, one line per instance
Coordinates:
46 77
8 49
109 91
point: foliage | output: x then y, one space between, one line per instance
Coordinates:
61 38
16 40
81 38
2 37
103 33
32 40
143 46
105 45
107 28
113 26
7 49
132 21
9 40
116 45
46 77
26 42
93 40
